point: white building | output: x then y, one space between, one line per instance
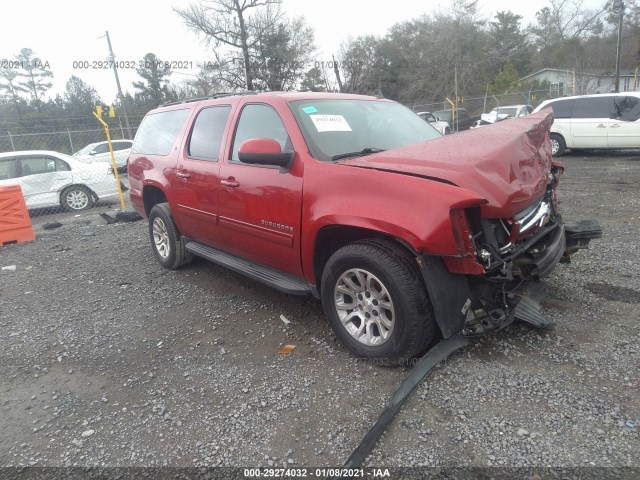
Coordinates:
569 82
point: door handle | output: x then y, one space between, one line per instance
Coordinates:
230 182
615 125
183 175
602 125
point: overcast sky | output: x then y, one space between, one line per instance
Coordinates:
65 31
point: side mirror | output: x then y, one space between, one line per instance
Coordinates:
92 152
264 151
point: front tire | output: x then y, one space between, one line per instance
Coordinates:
165 238
376 302
558 145
76 198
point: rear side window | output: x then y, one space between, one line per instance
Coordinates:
159 131
7 168
561 108
600 107
207 133
120 146
628 108
102 148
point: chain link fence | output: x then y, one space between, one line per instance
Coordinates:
71 170
478 105
66 171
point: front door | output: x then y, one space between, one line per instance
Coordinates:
260 206
196 183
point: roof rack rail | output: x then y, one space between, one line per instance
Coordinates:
209 97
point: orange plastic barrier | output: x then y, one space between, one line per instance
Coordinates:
15 223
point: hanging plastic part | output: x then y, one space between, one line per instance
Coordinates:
431 359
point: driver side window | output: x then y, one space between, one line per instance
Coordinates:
260 121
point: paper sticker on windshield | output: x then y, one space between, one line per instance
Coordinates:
309 109
330 123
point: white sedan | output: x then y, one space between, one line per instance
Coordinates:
99 152
51 179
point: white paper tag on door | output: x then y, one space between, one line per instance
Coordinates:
330 123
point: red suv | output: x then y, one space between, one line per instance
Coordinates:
404 234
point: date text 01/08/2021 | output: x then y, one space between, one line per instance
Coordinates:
316 472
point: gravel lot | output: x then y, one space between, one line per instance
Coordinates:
106 359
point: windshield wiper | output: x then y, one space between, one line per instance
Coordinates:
361 153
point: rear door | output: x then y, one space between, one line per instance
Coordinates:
260 206
624 132
42 178
196 184
590 121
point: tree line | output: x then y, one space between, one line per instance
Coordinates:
255 46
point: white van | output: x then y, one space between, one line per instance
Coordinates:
609 120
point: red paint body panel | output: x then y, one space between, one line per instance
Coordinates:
507 163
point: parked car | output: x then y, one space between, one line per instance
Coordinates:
404 234
609 120
502 113
50 179
442 127
457 119
99 152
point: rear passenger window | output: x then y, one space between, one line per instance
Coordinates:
601 107
207 133
159 131
561 108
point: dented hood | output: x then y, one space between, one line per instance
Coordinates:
507 163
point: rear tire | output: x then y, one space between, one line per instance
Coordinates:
376 302
76 198
558 145
165 238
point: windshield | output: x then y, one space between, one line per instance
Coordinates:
444 115
336 127
506 111
85 150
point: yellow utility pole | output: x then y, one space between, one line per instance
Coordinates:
113 158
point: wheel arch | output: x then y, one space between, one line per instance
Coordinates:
447 292
331 238
152 195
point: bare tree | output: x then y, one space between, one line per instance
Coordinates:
358 61
234 24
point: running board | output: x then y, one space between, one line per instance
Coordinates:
269 276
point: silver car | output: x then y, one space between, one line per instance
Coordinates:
99 152
51 179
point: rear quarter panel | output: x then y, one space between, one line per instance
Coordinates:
156 170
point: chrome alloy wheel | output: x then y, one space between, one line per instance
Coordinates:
161 238
555 146
364 307
77 199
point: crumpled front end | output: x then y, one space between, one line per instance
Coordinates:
514 254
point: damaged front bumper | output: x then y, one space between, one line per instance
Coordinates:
510 288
